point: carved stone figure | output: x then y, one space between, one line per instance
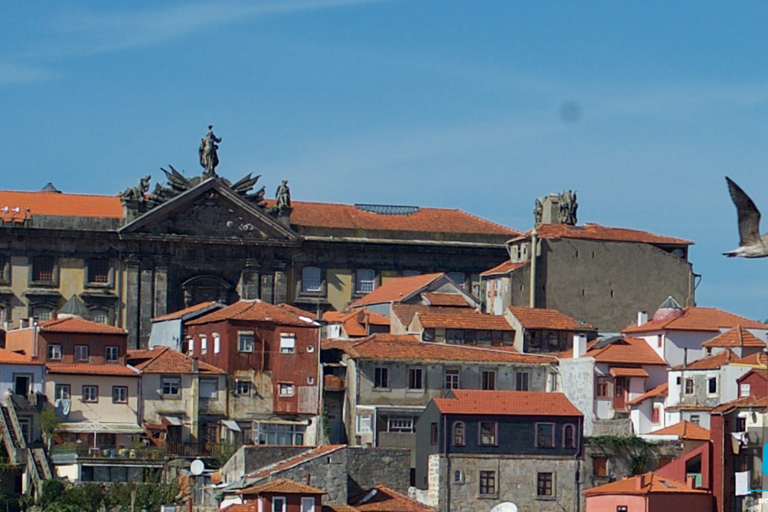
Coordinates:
568 207
283 204
538 211
137 193
209 156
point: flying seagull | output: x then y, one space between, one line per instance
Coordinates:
751 244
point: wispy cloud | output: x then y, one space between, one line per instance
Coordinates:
13 73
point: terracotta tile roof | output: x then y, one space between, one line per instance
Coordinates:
176 315
507 403
626 351
745 401
660 391
281 486
338 508
736 337
56 204
425 220
354 321
598 232
697 319
406 312
310 454
254 311
540 318
333 383
754 372
397 289
387 500
240 507
298 311
167 360
684 430
79 325
759 359
464 320
8 357
91 369
651 483
503 269
406 347
628 372
445 299
710 363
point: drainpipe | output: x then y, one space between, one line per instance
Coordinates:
534 244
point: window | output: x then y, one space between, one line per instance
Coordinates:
278 504
656 415
62 392
44 270
458 278
428 335
245 341
452 379
487 433
415 378
400 424
42 313
544 485
90 393
695 419
433 434
712 385
364 423
311 279
489 380
287 343
5 277
545 435
621 508
285 389
454 336
111 354
191 345
601 387
216 343
99 316
99 271
307 504
483 337
242 387
741 425
280 434
81 352
600 466
171 386
366 281
458 433
203 344
569 436
688 386
744 390
487 483
54 352
119 394
209 388
381 378
521 381
458 477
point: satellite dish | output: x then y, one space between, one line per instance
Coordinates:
505 507
197 467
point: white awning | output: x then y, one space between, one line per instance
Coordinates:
232 425
173 420
280 421
100 428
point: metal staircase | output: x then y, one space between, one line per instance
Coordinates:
38 467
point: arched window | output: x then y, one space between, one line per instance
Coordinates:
311 279
569 436
366 280
458 433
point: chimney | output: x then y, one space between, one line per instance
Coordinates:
640 482
309 477
579 345
194 365
642 318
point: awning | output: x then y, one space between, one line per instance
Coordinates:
172 421
87 427
281 421
628 372
232 425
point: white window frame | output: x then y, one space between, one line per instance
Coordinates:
248 386
80 351
416 373
203 344
452 379
54 352
364 423
216 343
246 341
275 501
60 390
287 343
745 389
365 280
286 389
307 500
119 394
171 381
191 346
90 393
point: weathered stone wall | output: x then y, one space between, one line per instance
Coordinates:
368 467
577 382
621 427
250 458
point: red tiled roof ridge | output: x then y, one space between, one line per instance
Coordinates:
744 401
281 485
507 403
653 483
156 354
662 390
381 501
92 369
710 362
705 319
744 338
596 231
10 357
78 325
504 268
684 430
534 318
397 289
310 453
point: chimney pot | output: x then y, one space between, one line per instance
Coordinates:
579 345
642 318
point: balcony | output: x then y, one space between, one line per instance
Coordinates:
62 454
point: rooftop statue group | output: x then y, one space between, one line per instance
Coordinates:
138 197
566 208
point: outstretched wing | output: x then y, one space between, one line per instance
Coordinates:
749 216
246 184
176 180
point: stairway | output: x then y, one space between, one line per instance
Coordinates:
10 435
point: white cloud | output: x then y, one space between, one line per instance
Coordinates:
12 73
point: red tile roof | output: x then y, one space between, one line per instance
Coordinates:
56 204
8 357
710 363
627 351
79 325
240 507
387 500
540 318
338 508
310 454
507 403
254 311
167 360
445 299
470 319
759 359
354 321
628 372
684 430
91 369
176 315
745 401
735 337
406 347
650 483
598 232
503 269
406 312
660 391
281 486
397 289
695 318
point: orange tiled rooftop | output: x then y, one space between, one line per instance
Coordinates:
515 403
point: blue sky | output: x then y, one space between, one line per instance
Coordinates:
642 108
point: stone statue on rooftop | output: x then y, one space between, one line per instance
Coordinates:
209 156
137 193
538 211
283 195
568 207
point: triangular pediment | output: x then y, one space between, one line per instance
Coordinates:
211 210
